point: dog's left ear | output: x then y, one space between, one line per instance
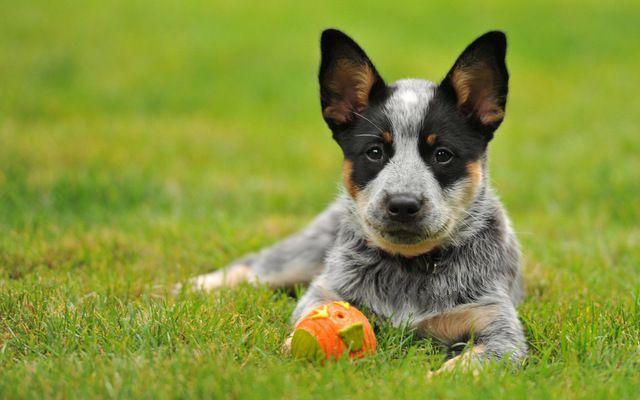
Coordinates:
478 82
348 80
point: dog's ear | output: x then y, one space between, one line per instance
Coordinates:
348 80
478 82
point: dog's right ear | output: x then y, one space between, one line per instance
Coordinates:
348 80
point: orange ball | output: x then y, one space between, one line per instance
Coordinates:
332 330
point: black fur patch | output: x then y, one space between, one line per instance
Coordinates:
466 127
359 138
478 82
357 123
452 133
467 107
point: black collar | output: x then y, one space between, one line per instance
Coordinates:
429 263
434 260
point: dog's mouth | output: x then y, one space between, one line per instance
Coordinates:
402 235
407 239
407 242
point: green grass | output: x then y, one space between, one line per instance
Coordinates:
144 142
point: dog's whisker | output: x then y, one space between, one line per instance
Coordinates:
369 121
368 135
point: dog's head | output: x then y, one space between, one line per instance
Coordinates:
414 151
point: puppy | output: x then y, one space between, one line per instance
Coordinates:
419 237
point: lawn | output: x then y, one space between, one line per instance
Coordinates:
143 142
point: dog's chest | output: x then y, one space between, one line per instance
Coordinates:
398 290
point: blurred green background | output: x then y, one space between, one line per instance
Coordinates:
143 142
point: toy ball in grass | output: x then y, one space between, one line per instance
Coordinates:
330 331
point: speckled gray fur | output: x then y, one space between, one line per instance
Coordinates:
480 258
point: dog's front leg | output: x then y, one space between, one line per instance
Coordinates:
317 295
493 325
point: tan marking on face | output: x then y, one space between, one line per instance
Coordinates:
475 173
387 137
347 171
431 139
351 82
460 322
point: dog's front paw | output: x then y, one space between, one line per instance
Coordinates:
469 361
286 346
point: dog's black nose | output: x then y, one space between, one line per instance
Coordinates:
403 206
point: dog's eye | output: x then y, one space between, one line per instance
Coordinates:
443 156
375 153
